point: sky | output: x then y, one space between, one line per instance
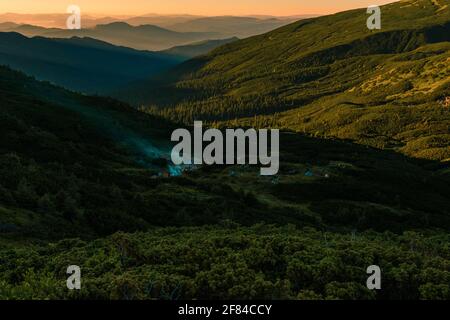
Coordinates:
195 7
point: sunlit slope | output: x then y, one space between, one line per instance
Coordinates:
394 78
400 105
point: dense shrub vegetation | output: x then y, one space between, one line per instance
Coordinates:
232 262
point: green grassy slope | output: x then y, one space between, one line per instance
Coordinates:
327 76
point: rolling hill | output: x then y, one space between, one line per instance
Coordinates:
328 76
88 142
197 49
79 185
92 147
81 64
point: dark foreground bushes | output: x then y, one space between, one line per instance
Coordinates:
228 261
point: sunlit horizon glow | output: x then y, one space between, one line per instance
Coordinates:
192 7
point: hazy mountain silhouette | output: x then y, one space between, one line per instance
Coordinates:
143 37
7 26
53 20
164 21
148 32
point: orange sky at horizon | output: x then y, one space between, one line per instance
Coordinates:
195 7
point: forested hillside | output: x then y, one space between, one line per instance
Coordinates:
329 77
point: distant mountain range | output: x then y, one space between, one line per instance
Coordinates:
152 32
144 37
56 20
165 21
82 64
